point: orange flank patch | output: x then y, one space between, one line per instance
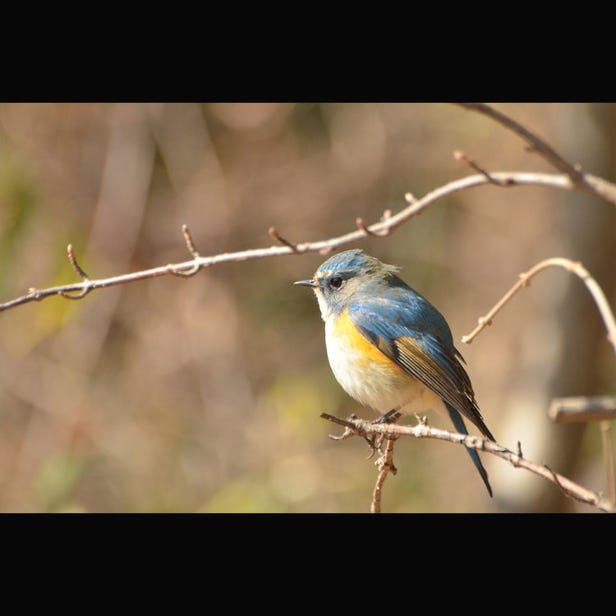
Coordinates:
347 335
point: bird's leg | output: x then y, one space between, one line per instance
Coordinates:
389 417
376 441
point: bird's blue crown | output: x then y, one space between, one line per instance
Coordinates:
355 262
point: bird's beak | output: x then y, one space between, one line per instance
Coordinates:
307 283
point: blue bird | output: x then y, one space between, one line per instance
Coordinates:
389 347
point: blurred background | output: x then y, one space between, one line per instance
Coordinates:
204 394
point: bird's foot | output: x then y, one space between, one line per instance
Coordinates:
387 418
375 441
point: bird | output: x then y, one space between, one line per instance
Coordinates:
388 347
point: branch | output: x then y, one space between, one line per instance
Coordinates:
581 408
574 267
385 464
589 183
573 409
387 225
422 430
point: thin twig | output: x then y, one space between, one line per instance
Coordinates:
461 156
281 240
189 242
76 266
385 464
591 184
571 489
537 144
87 287
571 266
186 273
361 225
389 223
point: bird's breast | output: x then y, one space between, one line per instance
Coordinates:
367 374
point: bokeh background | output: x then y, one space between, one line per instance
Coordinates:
204 394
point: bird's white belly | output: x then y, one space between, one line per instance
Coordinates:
374 383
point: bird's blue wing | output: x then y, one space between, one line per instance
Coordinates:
411 332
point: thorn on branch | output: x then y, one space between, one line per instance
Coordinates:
350 429
189 242
87 287
361 225
73 260
281 240
409 198
348 433
190 245
422 420
461 156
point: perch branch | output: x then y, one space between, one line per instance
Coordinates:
572 490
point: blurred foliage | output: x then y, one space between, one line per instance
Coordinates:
204 394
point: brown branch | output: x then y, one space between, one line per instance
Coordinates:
76 266
385 464
388 224
461 156
281 240
582 408
571 266
602 409
589 183
571 489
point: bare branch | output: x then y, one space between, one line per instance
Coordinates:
571 489
385 464
571 266
591 184
581 408
536 143
388 224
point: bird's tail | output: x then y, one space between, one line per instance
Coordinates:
458 422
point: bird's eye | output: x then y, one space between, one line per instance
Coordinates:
336 282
